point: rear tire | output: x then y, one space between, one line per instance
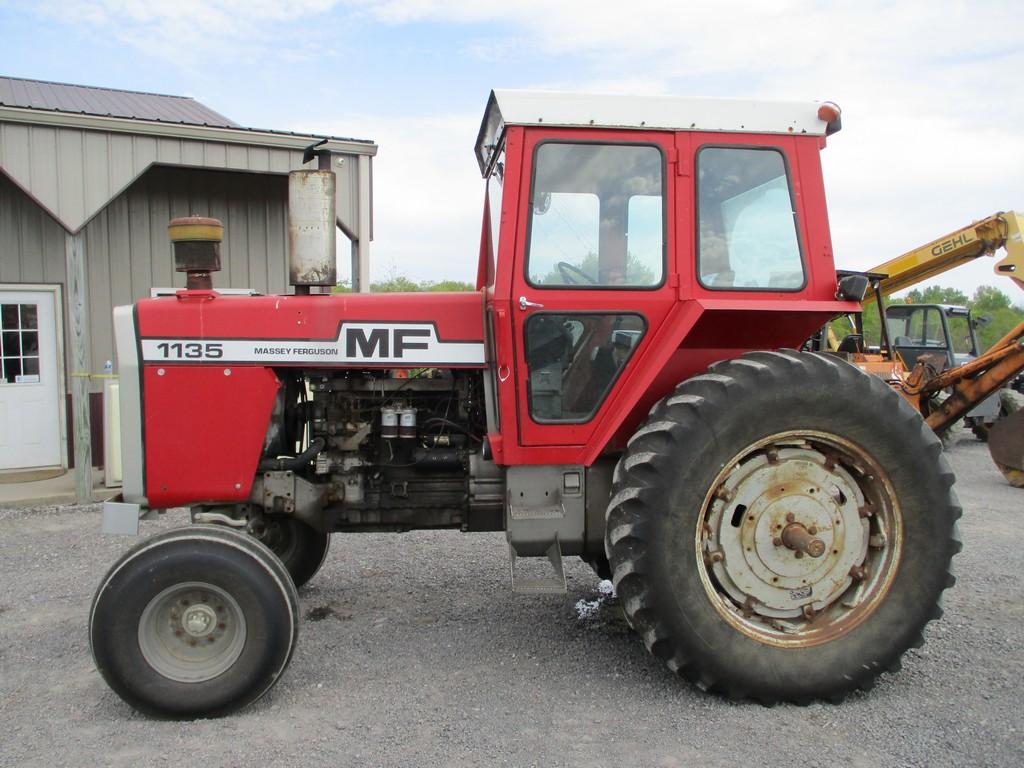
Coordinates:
700 501
195 622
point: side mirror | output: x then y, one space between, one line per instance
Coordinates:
852 287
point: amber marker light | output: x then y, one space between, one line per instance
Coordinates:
829 113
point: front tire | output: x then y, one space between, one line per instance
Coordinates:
781 528
301 548
195 622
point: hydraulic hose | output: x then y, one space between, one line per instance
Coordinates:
294 462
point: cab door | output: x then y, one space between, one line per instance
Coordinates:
593 275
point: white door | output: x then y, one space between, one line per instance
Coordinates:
30 389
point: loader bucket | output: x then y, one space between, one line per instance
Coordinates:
1006 444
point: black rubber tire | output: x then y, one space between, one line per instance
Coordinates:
598 564
669 467
301 548
233 562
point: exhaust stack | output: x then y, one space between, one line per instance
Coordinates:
196 249
312 247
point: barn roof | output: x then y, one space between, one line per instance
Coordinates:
108 102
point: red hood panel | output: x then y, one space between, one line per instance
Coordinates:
388 329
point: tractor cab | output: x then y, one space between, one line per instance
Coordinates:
944 332
630 241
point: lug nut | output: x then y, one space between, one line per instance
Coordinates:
857 572
717 557
790 517
777 541
813 530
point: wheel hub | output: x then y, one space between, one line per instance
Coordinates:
198 620
192 632
787 525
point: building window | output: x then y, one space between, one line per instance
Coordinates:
19 344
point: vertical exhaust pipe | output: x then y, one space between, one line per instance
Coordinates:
312 245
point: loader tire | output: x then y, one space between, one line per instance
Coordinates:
195 622
781 528
301 548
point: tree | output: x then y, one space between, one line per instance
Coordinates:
396 283
936 294
989 299
637 272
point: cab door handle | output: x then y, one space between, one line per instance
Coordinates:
524 304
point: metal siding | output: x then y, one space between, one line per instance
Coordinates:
97 159
237 156
215 154
43 167
168 151
259 159
121 161
347 200
55 263
26 233
98 247
14 154
74 173
192 153
127 250
236 239
277 233
281 160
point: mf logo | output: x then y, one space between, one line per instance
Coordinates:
384 341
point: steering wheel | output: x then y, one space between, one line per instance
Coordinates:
574 275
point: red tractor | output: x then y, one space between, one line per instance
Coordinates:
778 525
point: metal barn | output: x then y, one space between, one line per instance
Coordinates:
89 178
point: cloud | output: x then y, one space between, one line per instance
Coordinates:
428 194
932 103
932 139
192 33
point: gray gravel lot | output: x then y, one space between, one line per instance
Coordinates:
421 656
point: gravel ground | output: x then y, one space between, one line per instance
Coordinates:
414 652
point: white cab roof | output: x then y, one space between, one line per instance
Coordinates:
661 113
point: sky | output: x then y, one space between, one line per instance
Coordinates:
931 92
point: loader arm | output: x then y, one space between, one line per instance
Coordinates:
970 383
982 238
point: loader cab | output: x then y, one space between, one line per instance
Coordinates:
628 243
946 333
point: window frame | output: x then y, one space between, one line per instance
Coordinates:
796 221
611 384
664 220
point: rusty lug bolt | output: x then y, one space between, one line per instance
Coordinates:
777 541
857 572
717 557
808 612
813 530
790 517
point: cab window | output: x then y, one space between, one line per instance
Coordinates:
596 216
573 360
747 234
